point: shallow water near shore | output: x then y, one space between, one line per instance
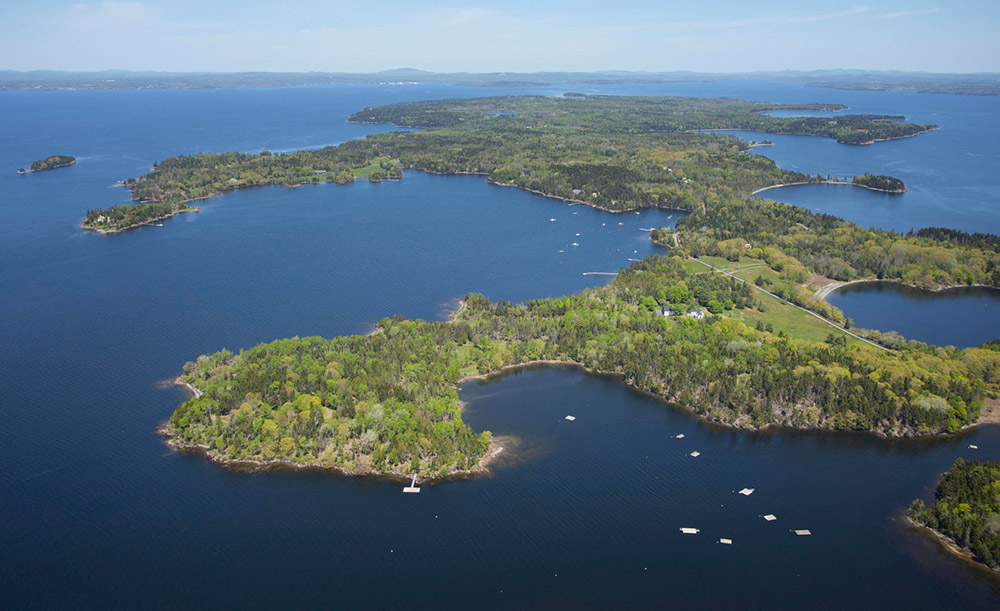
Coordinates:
96 510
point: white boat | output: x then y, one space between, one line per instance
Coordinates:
695 454
552 220
574 244
802 533
680 436
571 418
746 491
770 517
690 531
972 447
726 541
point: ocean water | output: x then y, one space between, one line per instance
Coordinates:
95 511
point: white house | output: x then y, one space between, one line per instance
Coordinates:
697 314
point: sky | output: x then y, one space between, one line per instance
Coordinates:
510 36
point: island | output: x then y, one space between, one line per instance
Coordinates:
613 152
51 163
723 324
965 514
880 182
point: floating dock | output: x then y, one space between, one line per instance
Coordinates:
746 491
695 454
690 531
770 517
571 418
413 488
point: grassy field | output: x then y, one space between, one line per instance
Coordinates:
785 317
366 171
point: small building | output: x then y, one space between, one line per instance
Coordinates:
665 311
697 314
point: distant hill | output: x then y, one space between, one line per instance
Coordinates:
924 82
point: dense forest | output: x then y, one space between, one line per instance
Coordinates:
966 509
51 163
880 182
617 153
387 402
798 243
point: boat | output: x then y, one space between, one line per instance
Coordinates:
571 418
695 454
690 531
746 491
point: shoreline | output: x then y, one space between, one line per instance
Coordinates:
948 543
498 444
827 182
482 467
824 291
137 225
865 143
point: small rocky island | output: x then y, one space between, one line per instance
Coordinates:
50 163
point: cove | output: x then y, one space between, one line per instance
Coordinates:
961 317
613 487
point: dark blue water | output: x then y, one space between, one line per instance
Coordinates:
962 317
95 511
952 175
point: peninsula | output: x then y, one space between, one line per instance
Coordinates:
966 511
53 162
387 403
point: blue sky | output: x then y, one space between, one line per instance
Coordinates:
516 35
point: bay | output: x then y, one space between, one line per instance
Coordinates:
97 511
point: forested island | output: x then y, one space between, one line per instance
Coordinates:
879 182
611 152
387 403
51 163
966 511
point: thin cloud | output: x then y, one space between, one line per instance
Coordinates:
772 20
926 11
